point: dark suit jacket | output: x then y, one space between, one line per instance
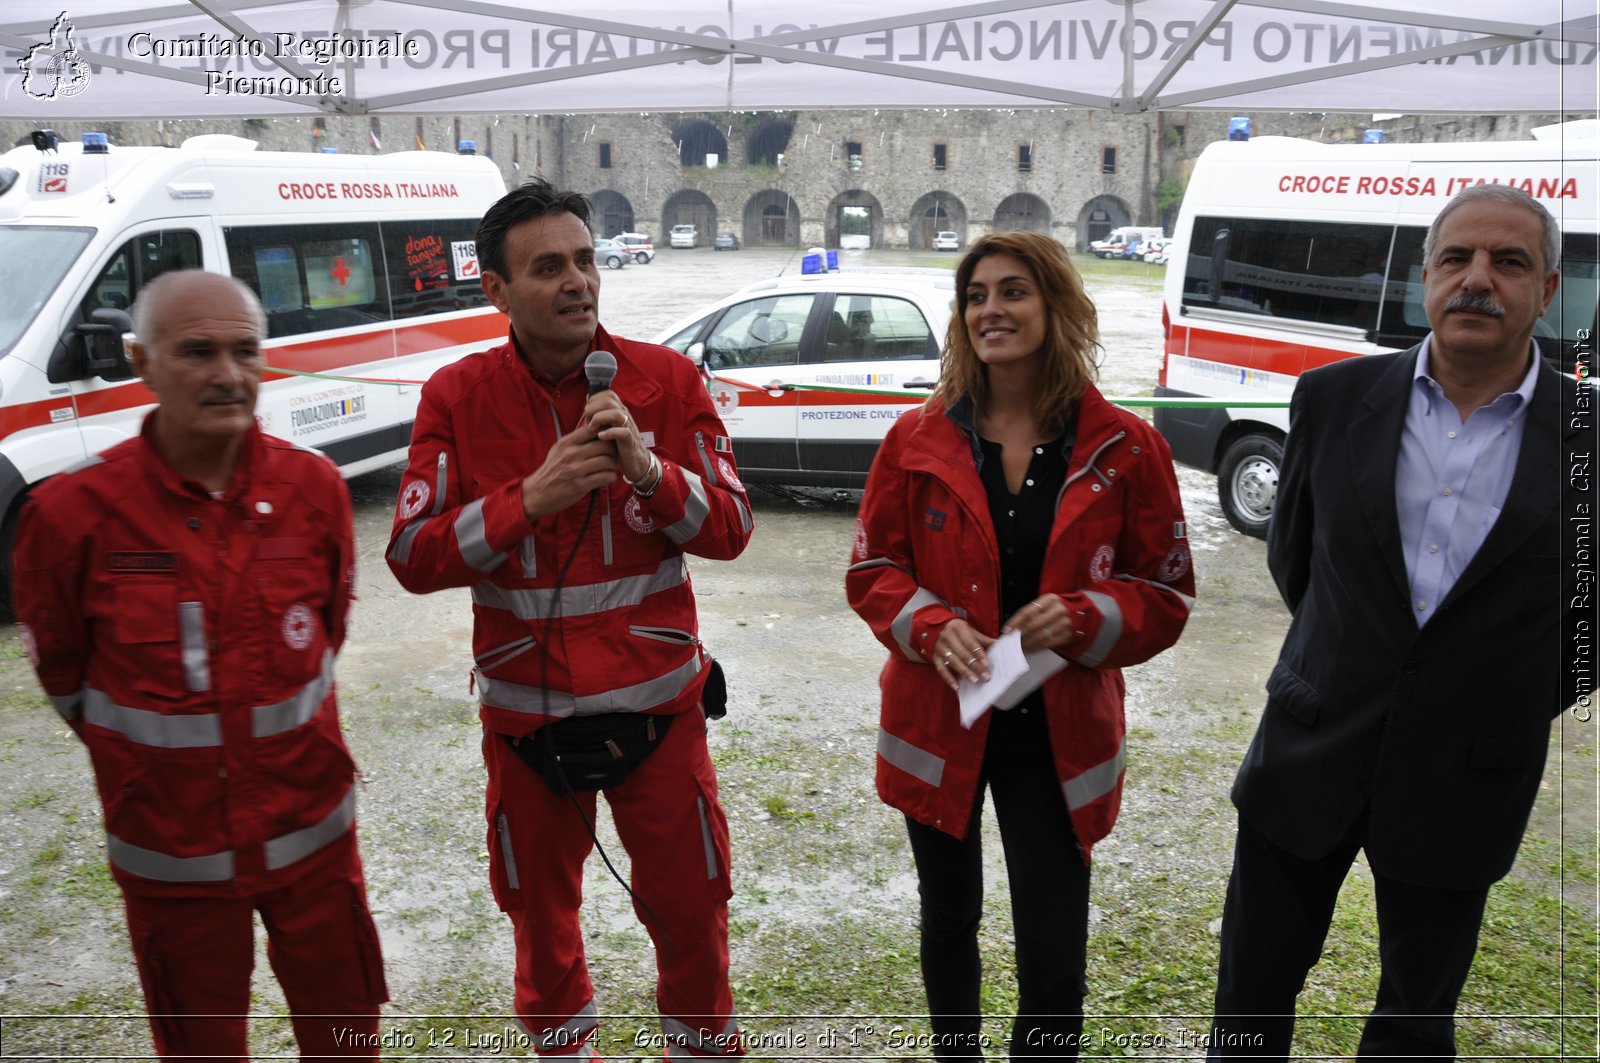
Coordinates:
1439 734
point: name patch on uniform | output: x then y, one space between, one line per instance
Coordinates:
143 561
935 521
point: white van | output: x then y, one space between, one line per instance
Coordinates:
366 266
1290 254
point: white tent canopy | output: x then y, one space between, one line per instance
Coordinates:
98 59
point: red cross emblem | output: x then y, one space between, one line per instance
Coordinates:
340 271
723 398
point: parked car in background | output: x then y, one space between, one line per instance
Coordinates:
946 241
640 244
809 371
1118 241
1155 251
611 254
725 242
684 236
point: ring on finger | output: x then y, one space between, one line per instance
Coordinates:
1037 605
972 660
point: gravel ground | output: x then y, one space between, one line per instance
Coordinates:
824 916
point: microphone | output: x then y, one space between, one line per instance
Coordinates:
601 368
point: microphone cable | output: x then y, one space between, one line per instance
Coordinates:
550 620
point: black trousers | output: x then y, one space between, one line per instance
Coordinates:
1049 902
1274 921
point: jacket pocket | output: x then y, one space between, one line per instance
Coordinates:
1294 695
147 618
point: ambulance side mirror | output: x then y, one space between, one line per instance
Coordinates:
102 340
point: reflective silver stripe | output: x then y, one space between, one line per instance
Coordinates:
586 598
685 1042
915 762
146 863
70 706
218 867
517 697
1187 600
705 837
1110 630
297 708
400 552
504 829
900 627
696 507
470 539
746 522
1097 781
192 635
152 728
605 534
530 558
441 480
297 845
877 562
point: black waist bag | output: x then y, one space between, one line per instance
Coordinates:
591 752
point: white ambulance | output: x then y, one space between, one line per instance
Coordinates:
1290 254
366 266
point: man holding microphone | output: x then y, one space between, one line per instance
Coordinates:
564 476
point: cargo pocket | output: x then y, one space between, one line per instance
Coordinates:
714 842
503 877
368 954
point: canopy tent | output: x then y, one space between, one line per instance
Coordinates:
98 59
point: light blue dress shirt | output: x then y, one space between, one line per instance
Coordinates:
1451 479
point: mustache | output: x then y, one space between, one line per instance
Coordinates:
1476 303
212 397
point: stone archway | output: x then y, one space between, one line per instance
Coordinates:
1022 212
936 212
1098 217
853 213
767 142
771 219
610 213
689 206
698 141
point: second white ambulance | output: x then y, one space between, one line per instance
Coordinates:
1290 254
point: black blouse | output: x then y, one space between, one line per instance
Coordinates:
1022 529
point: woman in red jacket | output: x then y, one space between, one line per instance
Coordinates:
1017 499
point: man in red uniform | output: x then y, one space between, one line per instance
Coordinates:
183 595
584 617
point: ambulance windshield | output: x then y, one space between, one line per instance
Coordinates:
33 259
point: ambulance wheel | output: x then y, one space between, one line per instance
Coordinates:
8 538
1247 482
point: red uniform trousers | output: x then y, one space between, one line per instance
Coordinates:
195 955
676 835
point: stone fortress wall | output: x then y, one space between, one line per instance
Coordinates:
797 178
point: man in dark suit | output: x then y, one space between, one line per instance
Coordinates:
1416 540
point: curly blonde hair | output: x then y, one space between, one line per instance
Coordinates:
1071 338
